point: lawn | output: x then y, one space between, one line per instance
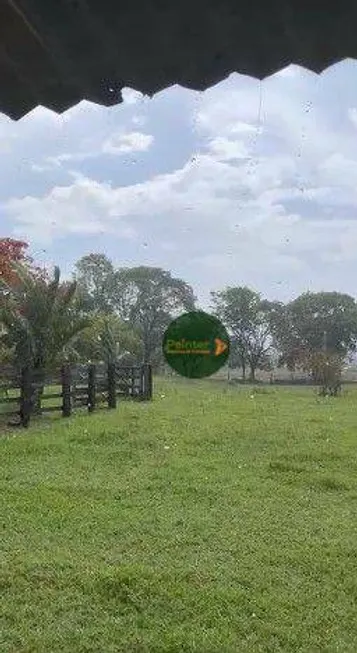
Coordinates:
211 520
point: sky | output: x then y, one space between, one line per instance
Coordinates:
248 183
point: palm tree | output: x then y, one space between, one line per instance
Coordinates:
41 319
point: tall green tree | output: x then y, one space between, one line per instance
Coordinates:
97 283
107 338
315 322
247 317
149 299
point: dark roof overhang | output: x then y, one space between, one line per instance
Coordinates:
56 53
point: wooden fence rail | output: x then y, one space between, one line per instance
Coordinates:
88 387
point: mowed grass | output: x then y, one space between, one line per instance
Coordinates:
211 520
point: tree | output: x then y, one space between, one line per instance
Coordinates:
11 251
325 318
15 251
107 338
247 318
315 322
149 299
288 347
326 370
40 320
5 352
97 283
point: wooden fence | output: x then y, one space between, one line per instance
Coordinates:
91 386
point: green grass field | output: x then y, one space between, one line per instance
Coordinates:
211 520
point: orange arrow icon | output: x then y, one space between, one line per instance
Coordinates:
220 346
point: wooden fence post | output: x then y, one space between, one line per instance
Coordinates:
149 382
26 397
133 379
146 382
112 395
91 387
66 391
142 386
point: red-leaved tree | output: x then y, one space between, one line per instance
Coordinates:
12 251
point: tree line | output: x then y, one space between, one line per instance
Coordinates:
109 313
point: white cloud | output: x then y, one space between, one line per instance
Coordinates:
37 168
83 208
225 150
232 213
352 114
41 114
130 96
5 145
263 193
129 142
117 144
138 120
290 72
